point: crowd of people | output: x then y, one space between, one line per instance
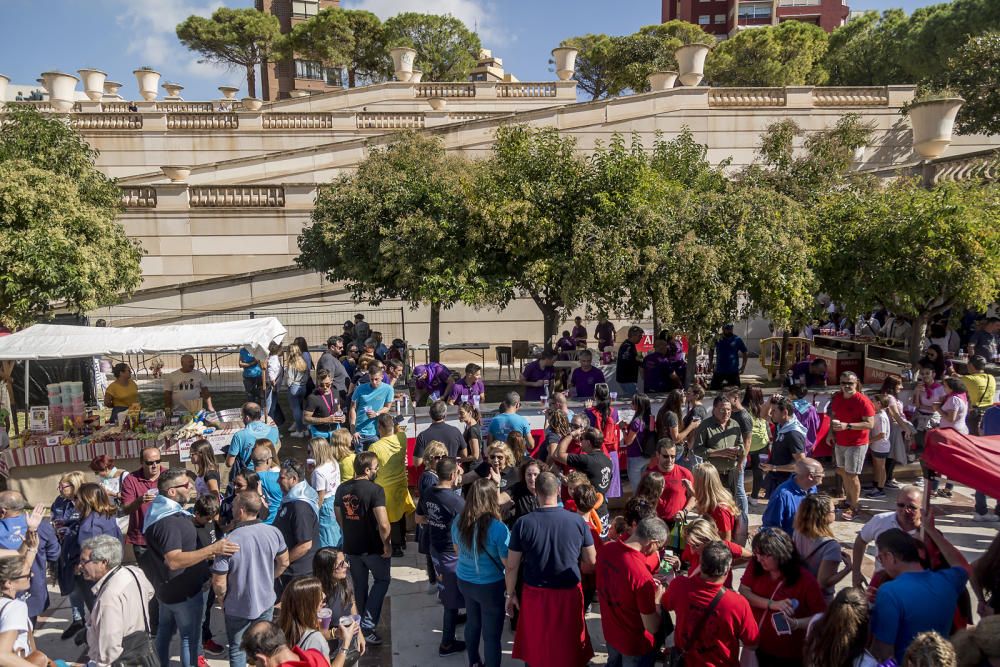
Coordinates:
294 554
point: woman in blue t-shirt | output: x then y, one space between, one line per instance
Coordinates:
481 539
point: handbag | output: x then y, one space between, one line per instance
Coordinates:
676 656
748 656
137 647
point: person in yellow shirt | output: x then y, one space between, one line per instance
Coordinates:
121 393
981 388
390 449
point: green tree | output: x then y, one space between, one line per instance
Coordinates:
399 228
937 32
232 37
60 241
789 54
974 73
366 59
326 37
533 192
869 50
917 251
594 64
446 49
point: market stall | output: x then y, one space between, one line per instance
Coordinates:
65 435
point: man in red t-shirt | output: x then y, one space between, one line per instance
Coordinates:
677 497
851 417
628 593
715 639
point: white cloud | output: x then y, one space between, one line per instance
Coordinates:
152 38
480 15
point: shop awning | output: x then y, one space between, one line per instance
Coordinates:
57 341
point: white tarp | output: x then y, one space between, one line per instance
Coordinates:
56 341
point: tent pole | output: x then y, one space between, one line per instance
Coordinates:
27 394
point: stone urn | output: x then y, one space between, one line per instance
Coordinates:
252 103
691 63
173 91
933 122
62 89
437 103
111 89
176 174
4 81
660 81
229 92
565 60
148 81
403 58
93 83
416 76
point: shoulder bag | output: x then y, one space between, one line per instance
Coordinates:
137 647
676 656
748 657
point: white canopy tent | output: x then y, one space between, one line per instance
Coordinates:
57 341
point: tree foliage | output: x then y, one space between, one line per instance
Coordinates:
399 228
609 66
868 50
60 241
916 251
232 37
446 49
974 73
788 54
368 52
327 37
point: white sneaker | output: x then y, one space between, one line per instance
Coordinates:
985 518
919 482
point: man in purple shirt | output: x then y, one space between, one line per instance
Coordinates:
586 376
431 379
470 389
579 333
809 373
604 333
656 369
536 375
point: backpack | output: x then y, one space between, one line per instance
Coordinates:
612 434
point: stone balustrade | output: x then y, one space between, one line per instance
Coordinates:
390 121
520 89
138 196
203 121
746 97
457 89
106 121
185 107
964 168
237 196
464 116
859 96
297 121
38 105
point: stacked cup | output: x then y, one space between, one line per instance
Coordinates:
55 404
75 405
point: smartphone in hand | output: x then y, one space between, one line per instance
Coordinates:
781 624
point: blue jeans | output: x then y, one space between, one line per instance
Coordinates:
364 442
369 602
981 506
484 606
184 617
738 487
76 604
296 394
628 388
616 659
254 392
235 627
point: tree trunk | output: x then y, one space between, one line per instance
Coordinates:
916 335
252 80
550 317
783 357
434 339
692 360
351 77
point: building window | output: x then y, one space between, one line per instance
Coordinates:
303 9
755 11
704 19
799 3
720 18
308 69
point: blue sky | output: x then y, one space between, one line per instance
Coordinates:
119 36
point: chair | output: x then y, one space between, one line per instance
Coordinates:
521 350
505 358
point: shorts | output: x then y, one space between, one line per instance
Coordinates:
851 459
880 455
